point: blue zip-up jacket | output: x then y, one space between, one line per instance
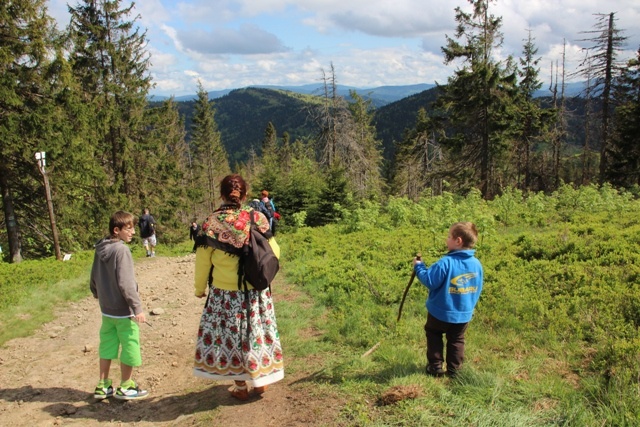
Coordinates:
454 283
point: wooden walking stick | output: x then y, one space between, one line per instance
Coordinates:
406 290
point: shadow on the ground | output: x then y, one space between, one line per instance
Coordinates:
78 404
327 375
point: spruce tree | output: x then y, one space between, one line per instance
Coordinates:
602 64
209 158
478 100
364 164
418 159
110 60
166 185
26 39
299 187
530 116
269 170
625 144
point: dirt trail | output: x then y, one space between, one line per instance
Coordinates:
47 379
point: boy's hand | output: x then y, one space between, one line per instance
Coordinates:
417 260
140 318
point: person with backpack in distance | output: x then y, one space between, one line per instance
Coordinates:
113 284
238 337
258 206
147 226
194 229
273 216
455 283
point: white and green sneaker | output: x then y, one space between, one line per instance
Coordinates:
103 390
130 391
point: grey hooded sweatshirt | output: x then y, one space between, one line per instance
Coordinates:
113 279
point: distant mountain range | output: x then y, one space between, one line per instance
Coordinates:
379 96
242 115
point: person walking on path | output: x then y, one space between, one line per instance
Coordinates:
454 283
147 225
194 229
238 336
273 216
113 284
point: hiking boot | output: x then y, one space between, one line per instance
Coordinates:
130 392
103 390
434 371
452 373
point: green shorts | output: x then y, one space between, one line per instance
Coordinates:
120 332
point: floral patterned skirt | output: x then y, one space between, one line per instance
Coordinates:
236 343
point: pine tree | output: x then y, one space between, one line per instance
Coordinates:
270 169
299 187
363 166
110 60
602 65
76 179
329 117
625 144
478 101
26 38
417 159
530 115
209 158
332 198
166 187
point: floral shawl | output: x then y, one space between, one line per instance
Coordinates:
228 228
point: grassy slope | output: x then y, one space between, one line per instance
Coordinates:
555 339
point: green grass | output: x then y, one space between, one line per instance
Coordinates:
30 291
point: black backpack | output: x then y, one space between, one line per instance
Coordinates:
258 264
146 227
269 206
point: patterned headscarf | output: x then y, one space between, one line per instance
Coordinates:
229 227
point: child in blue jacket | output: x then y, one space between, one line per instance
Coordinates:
454 283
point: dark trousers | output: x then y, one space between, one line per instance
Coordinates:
434 329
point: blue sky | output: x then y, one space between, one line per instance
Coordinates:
228 44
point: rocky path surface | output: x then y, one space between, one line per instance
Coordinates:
47 379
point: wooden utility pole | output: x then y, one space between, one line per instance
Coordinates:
40 157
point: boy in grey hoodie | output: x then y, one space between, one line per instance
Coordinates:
113 283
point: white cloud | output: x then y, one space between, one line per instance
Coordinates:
247 40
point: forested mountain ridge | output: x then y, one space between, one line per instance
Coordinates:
379 96
242 116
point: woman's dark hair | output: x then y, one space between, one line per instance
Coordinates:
233 189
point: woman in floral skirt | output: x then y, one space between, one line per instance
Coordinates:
238 337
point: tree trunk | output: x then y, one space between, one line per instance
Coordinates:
13 233
606 95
